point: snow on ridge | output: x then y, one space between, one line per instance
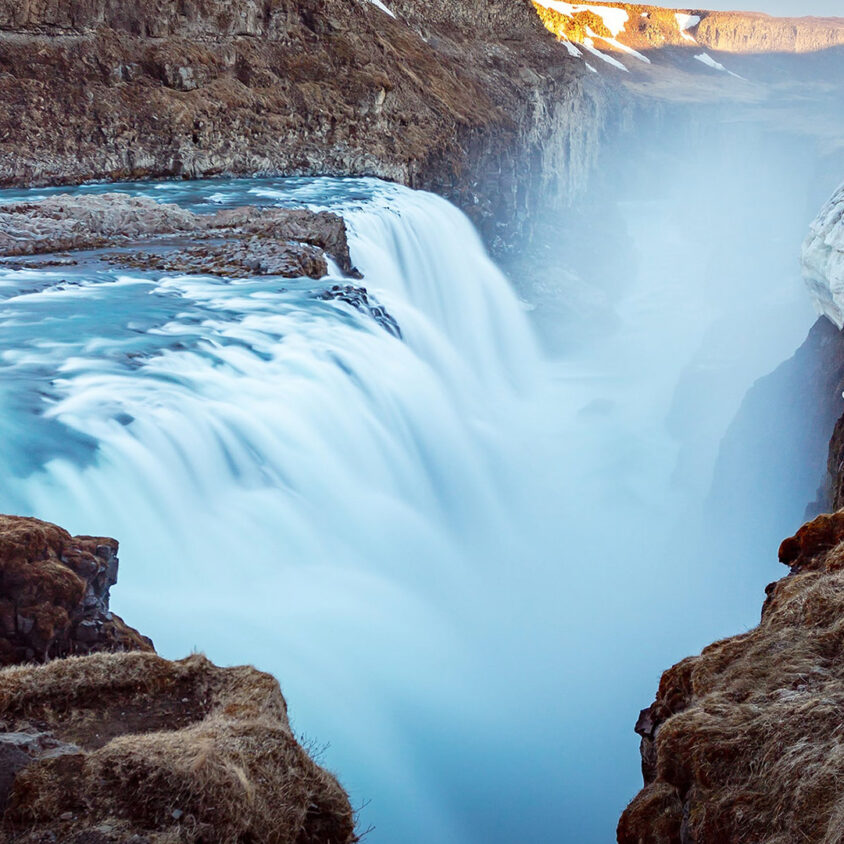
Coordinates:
706 59
686 22
572 49
614 19
823 259
619 46
589 44
382 7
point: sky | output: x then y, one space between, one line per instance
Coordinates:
779 7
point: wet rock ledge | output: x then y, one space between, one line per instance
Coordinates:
245 241
103 741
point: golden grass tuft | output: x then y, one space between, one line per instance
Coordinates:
172 751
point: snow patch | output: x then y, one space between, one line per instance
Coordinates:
706 59
619 46
382 7
614 19
590 67
589 44
823 259
686 22
572 50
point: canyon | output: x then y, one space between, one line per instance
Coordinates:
250 334
740 742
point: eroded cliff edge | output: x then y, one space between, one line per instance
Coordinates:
475 102
743 742
103 741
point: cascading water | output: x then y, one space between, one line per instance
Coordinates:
294 486
465 564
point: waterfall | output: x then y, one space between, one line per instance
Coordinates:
292 485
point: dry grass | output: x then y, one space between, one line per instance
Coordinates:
749 736
174 751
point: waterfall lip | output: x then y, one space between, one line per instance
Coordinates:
317 467
157 318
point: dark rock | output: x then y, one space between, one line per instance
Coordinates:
359 299
12 759
54 593
234 242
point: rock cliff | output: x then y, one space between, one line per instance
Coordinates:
742 742
120 745
54 594
475 102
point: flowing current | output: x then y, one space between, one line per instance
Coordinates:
294 486
427 538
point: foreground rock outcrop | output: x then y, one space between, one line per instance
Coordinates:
743 741
122 745
133 747
54 594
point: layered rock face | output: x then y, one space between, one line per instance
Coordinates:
121 745
54 594
474 101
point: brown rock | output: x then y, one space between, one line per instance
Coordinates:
54 592
134 747
475 101
255 241
742 742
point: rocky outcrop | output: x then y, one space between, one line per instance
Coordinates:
54 594
240 241
121 745
133 747
475 101
743 741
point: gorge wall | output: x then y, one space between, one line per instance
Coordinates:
741 743
476 103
